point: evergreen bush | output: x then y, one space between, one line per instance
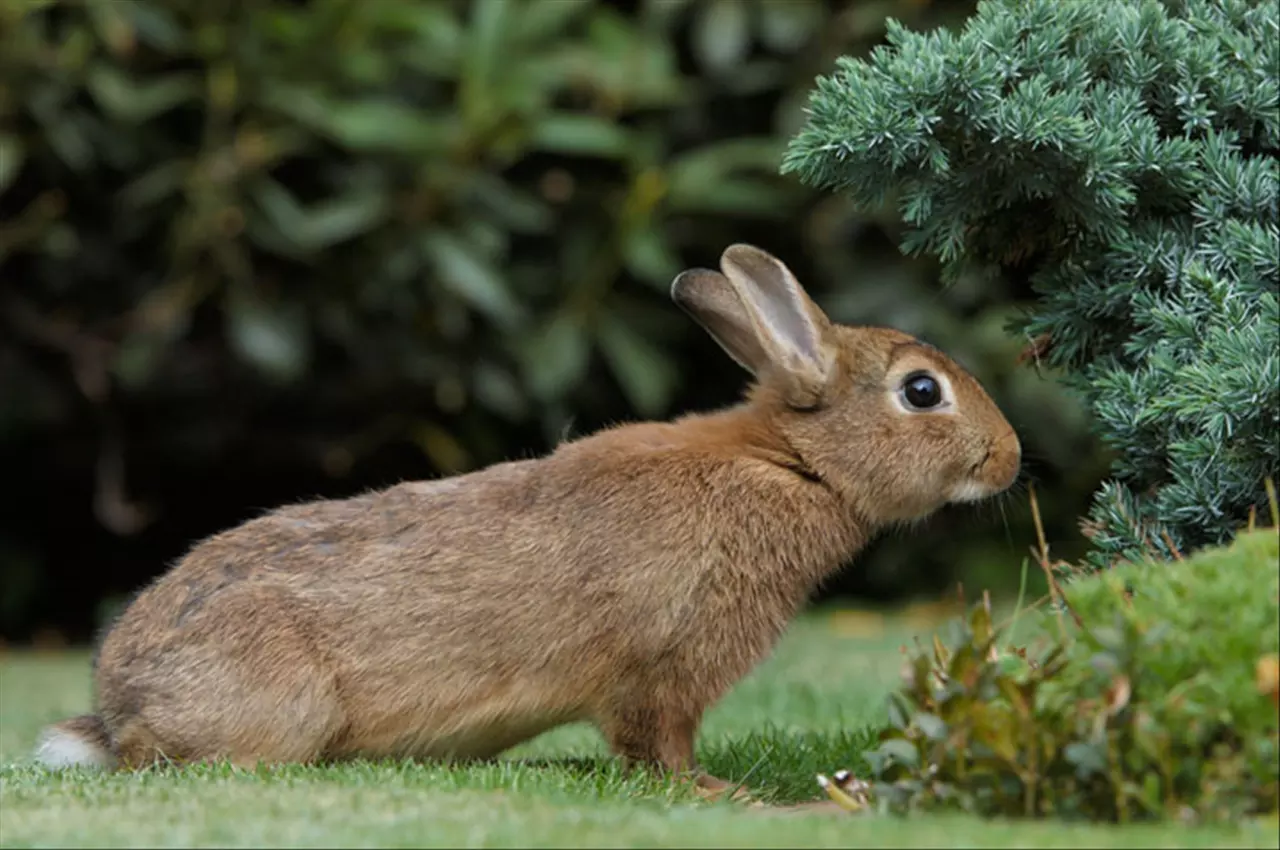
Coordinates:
1124 156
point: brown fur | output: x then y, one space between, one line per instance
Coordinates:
628 579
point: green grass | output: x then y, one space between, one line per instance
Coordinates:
813 707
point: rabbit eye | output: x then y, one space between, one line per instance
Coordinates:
920 390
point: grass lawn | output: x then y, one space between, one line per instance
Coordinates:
812 708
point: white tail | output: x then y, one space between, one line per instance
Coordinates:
79 742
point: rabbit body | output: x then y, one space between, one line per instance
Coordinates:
628 579
456 618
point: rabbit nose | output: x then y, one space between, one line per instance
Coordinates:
1003 462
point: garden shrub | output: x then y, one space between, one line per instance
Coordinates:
258 252
1124 157
1160 702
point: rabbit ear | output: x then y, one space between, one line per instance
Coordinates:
758 312
710 298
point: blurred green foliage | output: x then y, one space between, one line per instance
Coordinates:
248 238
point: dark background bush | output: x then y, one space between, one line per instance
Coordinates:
253 253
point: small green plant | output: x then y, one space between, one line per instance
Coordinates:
1157 702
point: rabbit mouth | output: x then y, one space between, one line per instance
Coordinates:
973 488
969 491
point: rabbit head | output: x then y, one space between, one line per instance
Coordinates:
893 425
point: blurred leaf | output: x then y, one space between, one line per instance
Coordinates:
364 125
272 337
344 217
699 169
280 228
569 133
741 196
517 209
662 14
648 257
489 19
65 135
931 726
555 357
786 25
11 13
1088 758
541 19
440 38
634 67
11 158
755 76
153 186
485 237
327 223
721 34
134 101
498 391
156 26
897 708
899 751
462 271
646 374
112 28
138 357
718 179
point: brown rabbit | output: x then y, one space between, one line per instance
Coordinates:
628 579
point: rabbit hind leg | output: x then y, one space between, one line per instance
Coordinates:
254 697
